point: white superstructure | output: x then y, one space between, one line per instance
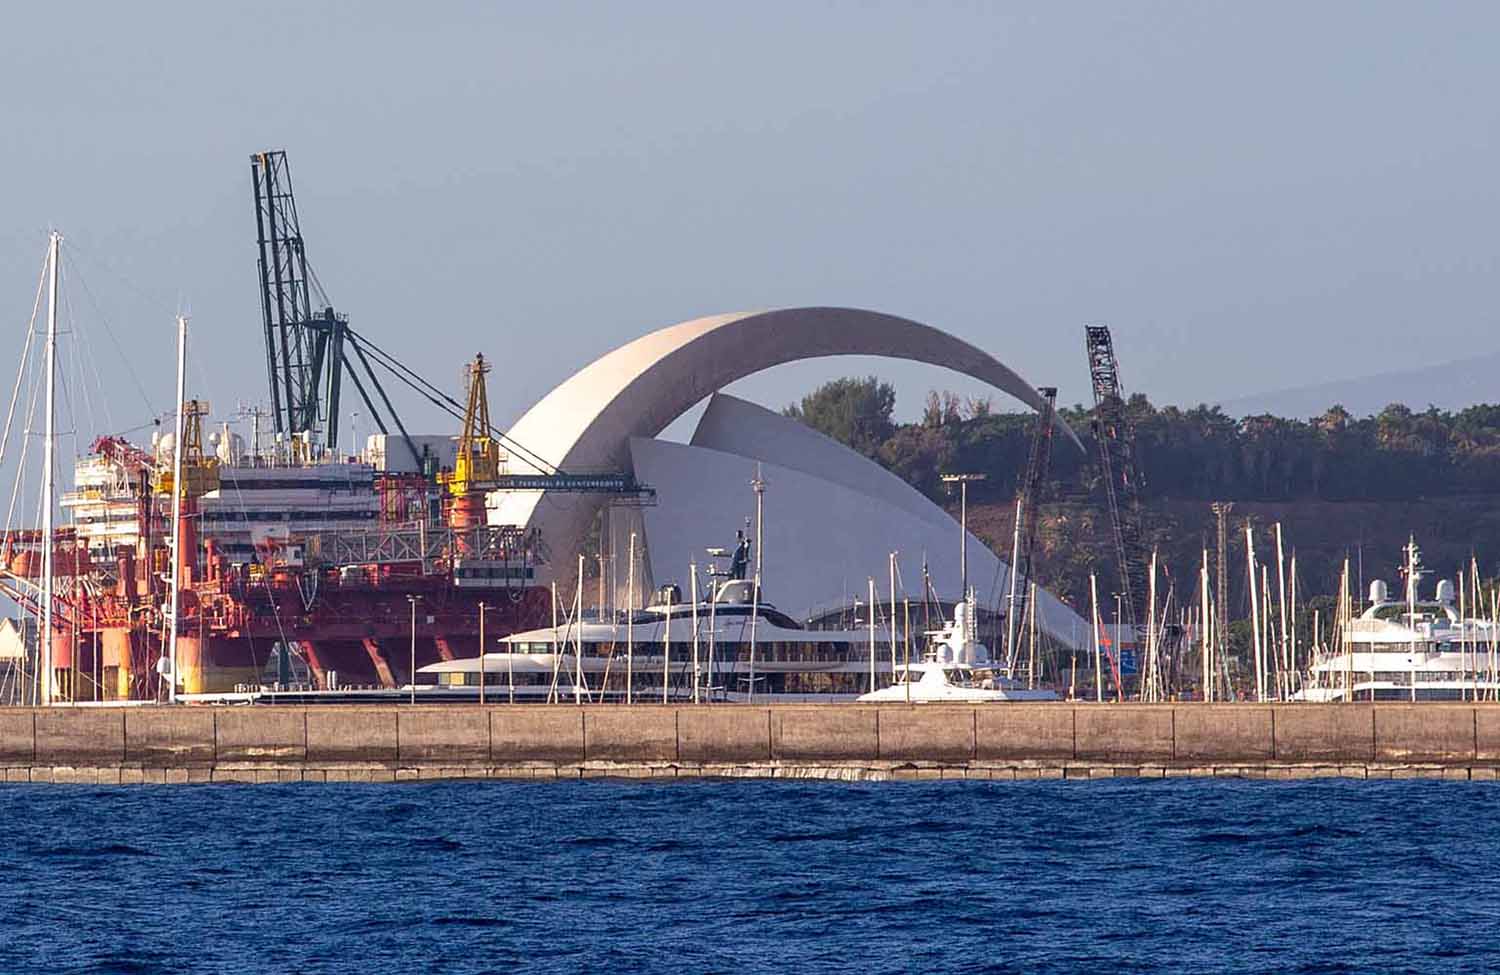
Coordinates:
739 650
956 668
1409 650
261 500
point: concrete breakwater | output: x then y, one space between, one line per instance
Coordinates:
396 742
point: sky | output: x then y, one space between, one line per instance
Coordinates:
1253 196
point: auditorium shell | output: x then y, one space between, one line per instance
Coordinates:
831 516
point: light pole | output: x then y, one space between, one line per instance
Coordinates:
758 485
481 651
962 480
413 671
1119 642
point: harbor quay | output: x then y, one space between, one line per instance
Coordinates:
392 743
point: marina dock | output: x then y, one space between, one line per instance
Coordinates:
390 743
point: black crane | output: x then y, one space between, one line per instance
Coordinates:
1123 483
304 378
1028 522
307 352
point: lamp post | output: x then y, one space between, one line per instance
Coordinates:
1119 643
962 480
481 651
413 671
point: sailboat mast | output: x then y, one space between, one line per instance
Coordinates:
1148 690
1031 613
892 620
666 649
1285 660
177 451
1098 663
693 576
758 485
1411 610
1204 635
630 625
1253 584
1010 606
1291 596
48 488
578 636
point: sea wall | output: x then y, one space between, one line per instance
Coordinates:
1012 741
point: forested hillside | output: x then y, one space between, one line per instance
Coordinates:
1339 484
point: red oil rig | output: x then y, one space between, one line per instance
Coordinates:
293 564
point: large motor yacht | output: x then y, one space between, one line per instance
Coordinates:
732 647
1409 650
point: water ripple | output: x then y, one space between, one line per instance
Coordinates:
750 876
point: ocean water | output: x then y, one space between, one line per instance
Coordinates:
752 876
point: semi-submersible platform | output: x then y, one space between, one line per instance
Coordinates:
291 559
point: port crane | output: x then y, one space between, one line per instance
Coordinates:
309 352
1114 437
1028 523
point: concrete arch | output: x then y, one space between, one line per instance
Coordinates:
637 390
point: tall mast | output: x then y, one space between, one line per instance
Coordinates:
1253 582
1221 614
1206 637
962 480
47 486
963 541
1285 658
758 485
177 452
1010 604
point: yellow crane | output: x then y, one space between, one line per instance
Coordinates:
200 474
476 469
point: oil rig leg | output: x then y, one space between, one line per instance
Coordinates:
315 662
382 665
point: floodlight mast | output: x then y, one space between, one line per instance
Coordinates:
962 480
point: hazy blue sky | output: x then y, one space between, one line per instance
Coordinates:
1253 196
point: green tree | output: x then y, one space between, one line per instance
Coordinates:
855 412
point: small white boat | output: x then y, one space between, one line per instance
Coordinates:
955 669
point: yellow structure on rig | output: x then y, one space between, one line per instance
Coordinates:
477 465
200 474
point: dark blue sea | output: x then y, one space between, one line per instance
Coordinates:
753 876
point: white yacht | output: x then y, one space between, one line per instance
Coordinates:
1409 650
729 648
956 668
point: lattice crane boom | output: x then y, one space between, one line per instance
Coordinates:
307 352
302 372
1028 521
1115 438
477 464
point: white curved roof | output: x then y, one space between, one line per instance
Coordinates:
738 427
823 539
585 424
